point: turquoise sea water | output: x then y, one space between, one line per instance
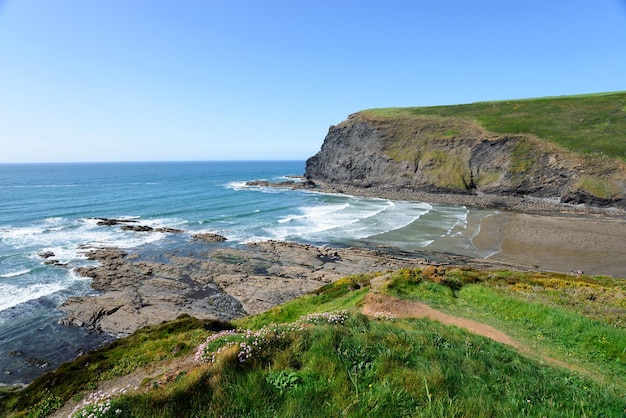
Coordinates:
50 207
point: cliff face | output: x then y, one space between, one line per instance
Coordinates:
452 155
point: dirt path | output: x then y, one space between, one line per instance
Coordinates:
378 303
375 303
402 308
157 371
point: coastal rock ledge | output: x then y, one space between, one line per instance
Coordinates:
405 156
223 283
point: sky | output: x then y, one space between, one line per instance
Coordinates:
151 80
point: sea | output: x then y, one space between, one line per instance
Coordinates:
54 208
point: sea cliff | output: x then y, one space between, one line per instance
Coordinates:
404 153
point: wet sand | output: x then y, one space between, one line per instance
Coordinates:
594 245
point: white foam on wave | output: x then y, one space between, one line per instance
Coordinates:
316 213
487 253
453 220
15 273
11 295
396 216
236 185
357 218
312 221
243 185
65 237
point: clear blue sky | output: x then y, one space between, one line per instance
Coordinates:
124 80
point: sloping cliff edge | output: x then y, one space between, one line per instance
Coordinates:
455 160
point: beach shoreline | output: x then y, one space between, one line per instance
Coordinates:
565 244
533 233
521 204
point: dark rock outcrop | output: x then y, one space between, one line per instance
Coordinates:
129 225
113 222
209 237
225 283
289 184
456 156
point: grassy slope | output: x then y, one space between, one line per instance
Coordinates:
405 367
411 367
584 124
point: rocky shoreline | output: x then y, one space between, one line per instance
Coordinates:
230 281
223 282
522 204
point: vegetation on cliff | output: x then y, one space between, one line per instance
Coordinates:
569 148
298 360
586 124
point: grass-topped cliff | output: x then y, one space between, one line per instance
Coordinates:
586 124
568 148
361 347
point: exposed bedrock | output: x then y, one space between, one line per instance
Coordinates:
226 283
456 156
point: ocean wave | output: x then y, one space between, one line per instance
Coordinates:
243 185
67 238
36 186
358 218
11 296
315 213
236 185
15 273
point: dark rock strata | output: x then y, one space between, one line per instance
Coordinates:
385 156
228 282
289 184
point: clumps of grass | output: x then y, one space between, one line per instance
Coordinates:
446 170
255 344
588 124
487 179
599 187
365 367
563 316
597 297
168 340
402 282
47 405
523 158
345 293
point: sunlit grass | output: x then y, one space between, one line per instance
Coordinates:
584 124
346 364
169 340
379 368
550 313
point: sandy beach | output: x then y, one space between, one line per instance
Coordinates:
593 245
533 232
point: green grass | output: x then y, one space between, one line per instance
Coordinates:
600 187
160 342
359 366
586 124
580 320
378 368
345 293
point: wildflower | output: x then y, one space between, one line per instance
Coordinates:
385 315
